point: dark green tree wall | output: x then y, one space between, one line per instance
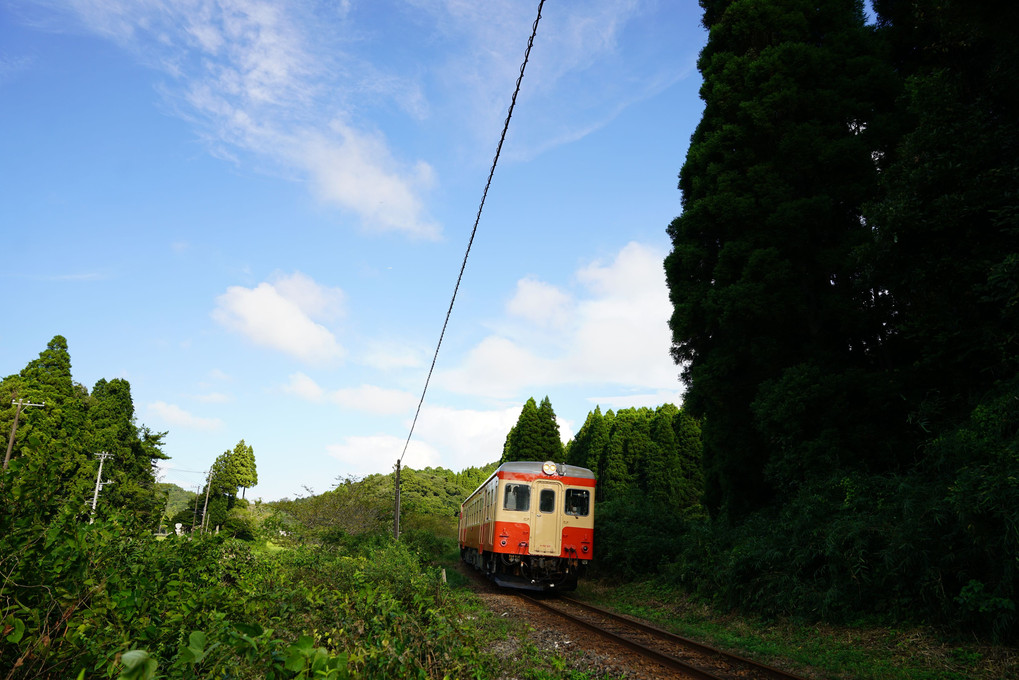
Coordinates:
947 222
761 276
845 283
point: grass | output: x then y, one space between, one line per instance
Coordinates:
813 650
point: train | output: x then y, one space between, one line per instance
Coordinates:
530 525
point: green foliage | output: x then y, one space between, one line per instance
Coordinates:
535 436
653 452
74 425
938 544
353 507
586 447
108 600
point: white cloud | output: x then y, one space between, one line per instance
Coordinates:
615 333
469 437
378 454
387 357
311 298
175 415
302 85
305 388
577 43
499 367
366 398
623 332
374 399
540 303
453 438
279 315
213 398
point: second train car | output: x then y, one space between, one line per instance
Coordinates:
531 525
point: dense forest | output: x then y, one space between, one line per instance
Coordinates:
845 282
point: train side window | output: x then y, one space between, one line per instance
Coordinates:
578 502
546 501
517 497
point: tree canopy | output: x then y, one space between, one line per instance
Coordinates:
535 436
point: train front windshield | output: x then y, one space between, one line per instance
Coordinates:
578 502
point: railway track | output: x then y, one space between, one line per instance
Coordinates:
685 657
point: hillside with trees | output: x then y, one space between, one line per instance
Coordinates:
844 282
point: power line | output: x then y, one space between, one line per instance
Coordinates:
484 195
463 266
198 472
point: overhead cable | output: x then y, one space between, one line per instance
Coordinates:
491 173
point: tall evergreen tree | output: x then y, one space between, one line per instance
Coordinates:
243 462
585 449
60 427
112 429
761 275
551 439
535 436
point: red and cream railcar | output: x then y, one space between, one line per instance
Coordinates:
531 525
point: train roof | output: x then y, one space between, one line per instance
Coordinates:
535 467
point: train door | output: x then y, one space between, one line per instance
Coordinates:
546 534
490 516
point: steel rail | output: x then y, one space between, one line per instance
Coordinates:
664 659
686 642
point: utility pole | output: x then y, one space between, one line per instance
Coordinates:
194 514
14 428
99 483
396 513
208 487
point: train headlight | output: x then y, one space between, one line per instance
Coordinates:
548 468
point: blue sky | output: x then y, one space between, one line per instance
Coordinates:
256 212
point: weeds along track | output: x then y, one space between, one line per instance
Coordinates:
686 658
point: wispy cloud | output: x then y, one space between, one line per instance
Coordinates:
11 66
314 91
576 44
171 414
263 77
282 315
